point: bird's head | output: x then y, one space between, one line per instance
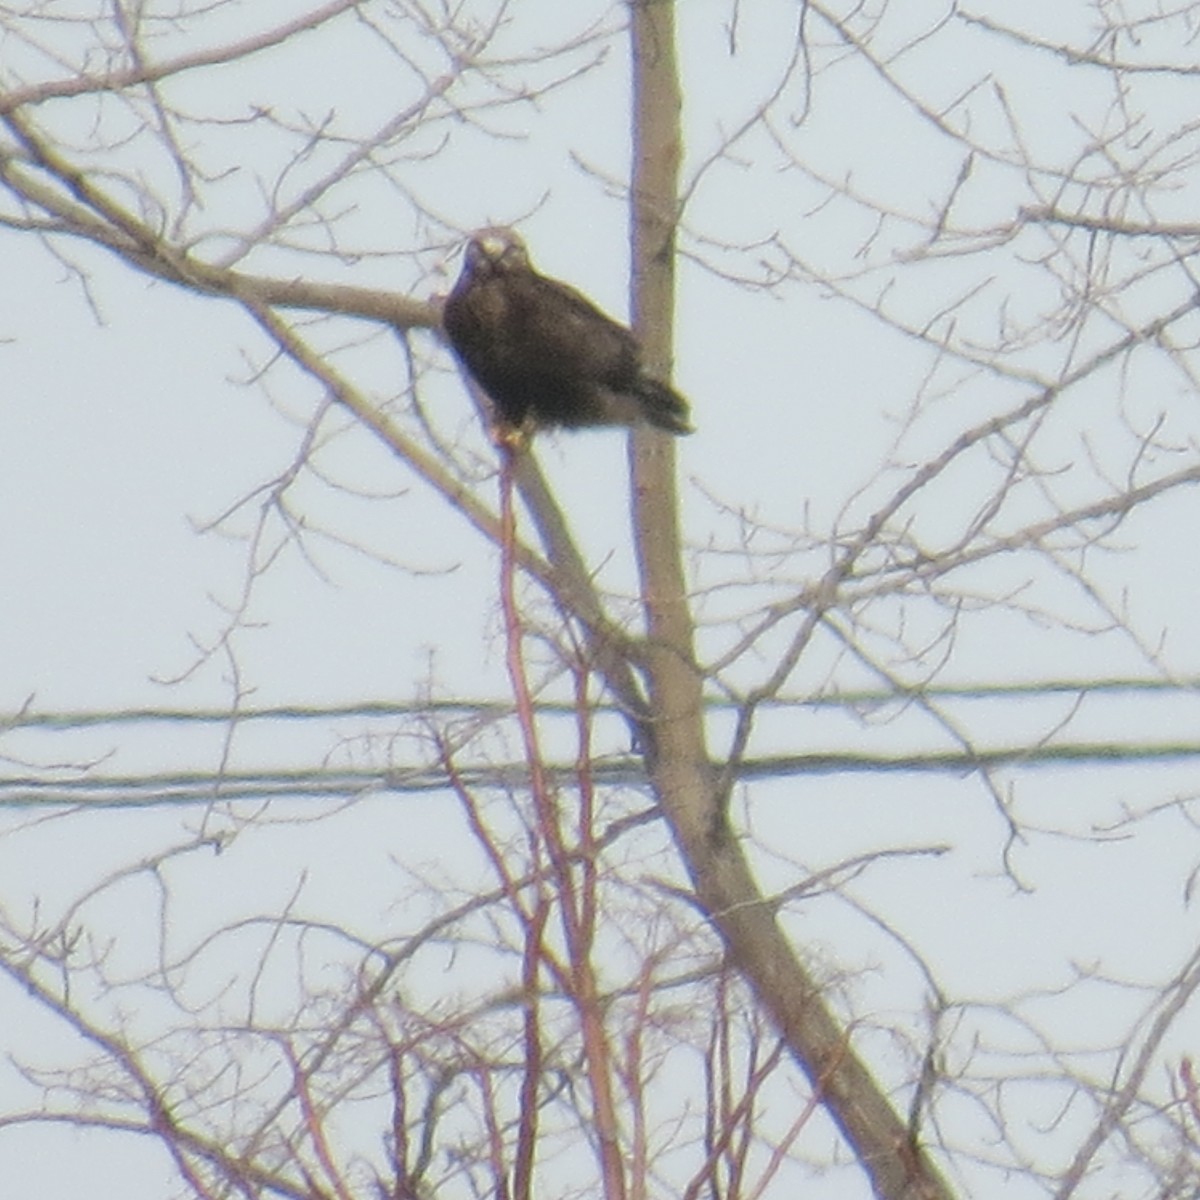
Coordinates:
496 249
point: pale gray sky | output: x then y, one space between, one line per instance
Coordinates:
136 415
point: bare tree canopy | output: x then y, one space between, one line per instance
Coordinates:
386 814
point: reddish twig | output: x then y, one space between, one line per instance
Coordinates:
527 1123
1187 1075
495 1135
511 886
586 835
583 987
514 660
634 1080
312 1122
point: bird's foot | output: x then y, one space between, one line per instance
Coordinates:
512 438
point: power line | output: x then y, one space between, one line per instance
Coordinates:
208 787
485 709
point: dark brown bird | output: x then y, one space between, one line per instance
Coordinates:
544 353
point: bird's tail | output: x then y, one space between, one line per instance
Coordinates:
663 406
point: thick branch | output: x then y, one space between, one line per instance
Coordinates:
685 782
75 206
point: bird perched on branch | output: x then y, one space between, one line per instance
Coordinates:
544 353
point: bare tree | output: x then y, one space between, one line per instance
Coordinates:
756 858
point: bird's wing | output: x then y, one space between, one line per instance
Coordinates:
573 331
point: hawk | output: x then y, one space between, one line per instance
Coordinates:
544 353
